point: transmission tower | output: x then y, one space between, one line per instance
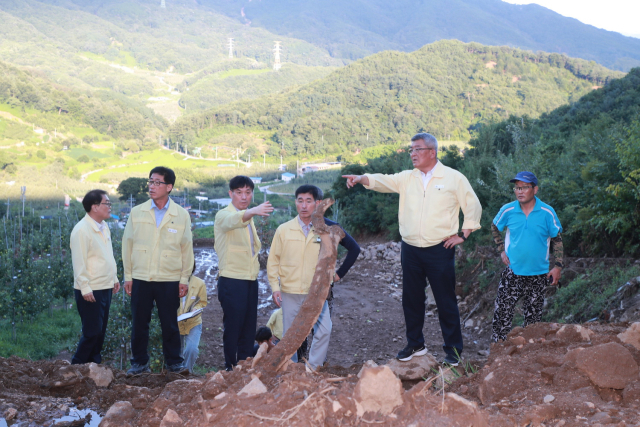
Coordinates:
162 5
276 51
230 48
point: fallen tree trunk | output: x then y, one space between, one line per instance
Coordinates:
311 308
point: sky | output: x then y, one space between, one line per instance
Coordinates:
622 16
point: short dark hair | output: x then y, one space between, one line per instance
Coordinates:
263 334
168 175
240 181
310 189
93 197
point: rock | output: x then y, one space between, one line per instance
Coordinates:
254 388
100 375
600 418
631 393
574 333
171 419
220 396
262 351
501 383
632 335
181 391
10 414
417 368
483 353
468 323
378 390
367 364
119 415
464 411
608 365
549 398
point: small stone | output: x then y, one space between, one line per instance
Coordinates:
10 414
254 388
220 396
378 390
590 405
429 313
171 419
549 398
100 375
468 323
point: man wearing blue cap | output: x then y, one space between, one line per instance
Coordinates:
532 226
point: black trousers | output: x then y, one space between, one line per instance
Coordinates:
437 264
94 317
167 299
239 301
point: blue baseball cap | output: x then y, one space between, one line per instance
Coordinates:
525 176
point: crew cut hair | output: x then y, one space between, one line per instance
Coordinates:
168 175
263 334
310 189
240 181
93 197
429 140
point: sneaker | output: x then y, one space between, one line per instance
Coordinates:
137 369
408 352
178 368
451 360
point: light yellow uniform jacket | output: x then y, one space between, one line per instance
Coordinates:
427 217
158 254
292 259
94 267
233 245
196 298
275 323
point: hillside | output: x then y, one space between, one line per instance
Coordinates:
357 28
585 156
447 88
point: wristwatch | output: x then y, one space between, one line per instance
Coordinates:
461 234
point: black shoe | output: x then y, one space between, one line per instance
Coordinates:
178 368
451 360
408 352
137 369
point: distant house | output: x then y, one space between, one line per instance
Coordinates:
256 179
282 167
220 202
286 177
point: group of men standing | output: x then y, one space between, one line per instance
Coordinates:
158 259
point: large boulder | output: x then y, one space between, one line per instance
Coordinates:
608 365
574 333
378 390
100 375
631 336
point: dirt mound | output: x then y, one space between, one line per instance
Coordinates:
561 375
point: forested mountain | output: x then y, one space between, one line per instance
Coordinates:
447 88
356 28
586 156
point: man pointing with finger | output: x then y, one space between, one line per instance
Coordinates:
431 197
532 226
238 245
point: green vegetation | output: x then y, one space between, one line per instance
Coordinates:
354 29
587 296
448 87
584 154
203 233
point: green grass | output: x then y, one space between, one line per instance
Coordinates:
203 233
239 72
76 152
42 338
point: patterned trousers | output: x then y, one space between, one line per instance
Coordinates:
513 287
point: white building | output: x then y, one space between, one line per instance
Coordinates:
286 177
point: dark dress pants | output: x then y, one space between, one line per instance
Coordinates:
437 264
239 301
94 317
167 299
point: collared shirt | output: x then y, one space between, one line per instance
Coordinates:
160 212
101 226
237 252
428 216
306 228
253 252
528 237
426 177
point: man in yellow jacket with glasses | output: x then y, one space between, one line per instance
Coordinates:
238 245
157 256
431 197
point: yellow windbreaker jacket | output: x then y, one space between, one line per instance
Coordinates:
427 217
158 254
94 267
197 294
233 245
292 259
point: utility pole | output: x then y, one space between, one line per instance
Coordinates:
230 48
276 50
249 155
131 202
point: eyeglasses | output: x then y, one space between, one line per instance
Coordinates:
411 150
155 183
522 188
107 203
